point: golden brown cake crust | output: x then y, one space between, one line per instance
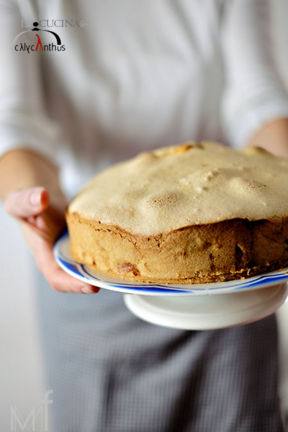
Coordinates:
220 251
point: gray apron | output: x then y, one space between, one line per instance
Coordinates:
111 372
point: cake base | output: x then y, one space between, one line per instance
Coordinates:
215 252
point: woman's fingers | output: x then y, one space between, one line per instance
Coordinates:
25 203
57 278
40 224
62 282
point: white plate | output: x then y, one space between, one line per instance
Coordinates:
210 312
87 274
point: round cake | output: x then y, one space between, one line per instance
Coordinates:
192 213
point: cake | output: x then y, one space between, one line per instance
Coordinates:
192 213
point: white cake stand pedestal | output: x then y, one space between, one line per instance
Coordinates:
206 312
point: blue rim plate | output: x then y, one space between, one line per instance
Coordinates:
89 275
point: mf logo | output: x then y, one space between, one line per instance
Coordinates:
36 420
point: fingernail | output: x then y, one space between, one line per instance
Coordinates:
35 198
87 290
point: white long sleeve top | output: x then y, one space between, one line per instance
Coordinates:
134 75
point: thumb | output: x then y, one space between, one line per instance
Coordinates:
27 202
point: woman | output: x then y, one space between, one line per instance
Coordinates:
127 77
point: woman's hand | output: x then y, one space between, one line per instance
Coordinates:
42 220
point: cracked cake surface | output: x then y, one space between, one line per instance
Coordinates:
184 214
